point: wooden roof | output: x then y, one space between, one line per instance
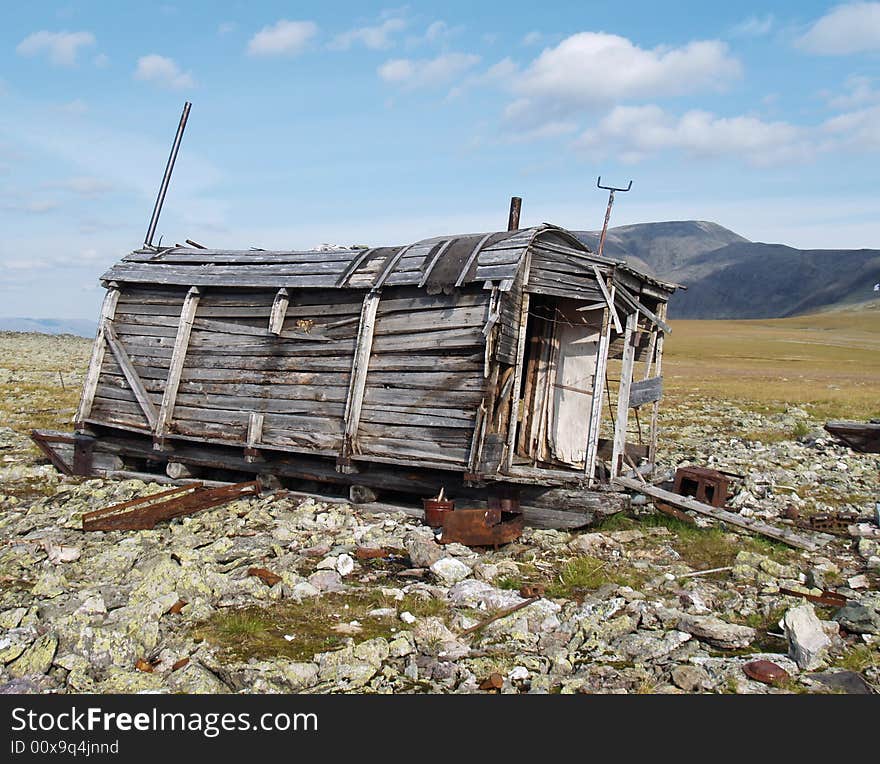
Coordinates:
439 263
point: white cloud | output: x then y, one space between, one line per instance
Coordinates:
164 72
437 30
61 47
857 130
858 90
84 185
532 38
850 28
420 73
282 38
754 26
378 37
635 132
592 69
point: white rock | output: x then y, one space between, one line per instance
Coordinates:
394 593
518 674
450 570
407 617
344 564
807 641
58 554
858 582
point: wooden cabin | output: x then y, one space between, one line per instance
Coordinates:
483 363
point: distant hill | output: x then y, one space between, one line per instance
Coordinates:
80 327
729 276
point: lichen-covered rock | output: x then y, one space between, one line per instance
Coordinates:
422 549
450 570
37 659
858 619
729 636
807 641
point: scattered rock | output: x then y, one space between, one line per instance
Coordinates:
690 678
450 570
711 629
807 641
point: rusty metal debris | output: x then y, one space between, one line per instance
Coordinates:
837 525
143 513
481 527
832 599
179 664
145 666
709 486
492 682
436 509
766 672
177 607
532 590
266 576
368 553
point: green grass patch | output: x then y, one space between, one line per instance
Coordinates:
702 548
585 573
859 658
260 631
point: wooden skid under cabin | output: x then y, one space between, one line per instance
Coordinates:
486 361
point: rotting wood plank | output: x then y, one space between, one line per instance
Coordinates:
131 374
470 260
655 409
755 526
516 413
650 315
279 311
90 385
597 395
626 374
645 391
178 358
618 327
359 367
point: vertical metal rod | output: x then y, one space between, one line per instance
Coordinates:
605 225
513 217
166 179
611 190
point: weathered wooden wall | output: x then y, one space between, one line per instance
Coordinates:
423 387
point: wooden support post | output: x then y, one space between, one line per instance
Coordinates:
90 386
175 369
131 375
598 391
655 408
515 413
279 311
626 374
358 381
254 437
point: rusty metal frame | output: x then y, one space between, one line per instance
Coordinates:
144 512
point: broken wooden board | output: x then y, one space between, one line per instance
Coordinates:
755 526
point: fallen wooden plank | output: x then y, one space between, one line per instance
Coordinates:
755 526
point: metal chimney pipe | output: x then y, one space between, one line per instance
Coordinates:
166 179
513 217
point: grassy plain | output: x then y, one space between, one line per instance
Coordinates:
828 361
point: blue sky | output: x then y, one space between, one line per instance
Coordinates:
381 124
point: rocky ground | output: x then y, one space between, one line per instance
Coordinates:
276 594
